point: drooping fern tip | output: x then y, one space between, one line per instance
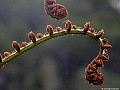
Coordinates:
92 74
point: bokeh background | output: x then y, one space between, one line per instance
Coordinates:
58 64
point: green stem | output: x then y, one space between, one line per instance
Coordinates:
47 37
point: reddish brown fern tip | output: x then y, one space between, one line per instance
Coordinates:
56 11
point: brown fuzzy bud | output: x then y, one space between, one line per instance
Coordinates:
32 37
0 58
58 29
40 35
100 79
100 33
6 54
106 46
68 25
49 29
49 2
90 71
86 27
16 46
56 11
91 77
99 63
74 27
92 66
105 41
24 44
92 30
104 57
94 77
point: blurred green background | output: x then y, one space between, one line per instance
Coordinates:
58 64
